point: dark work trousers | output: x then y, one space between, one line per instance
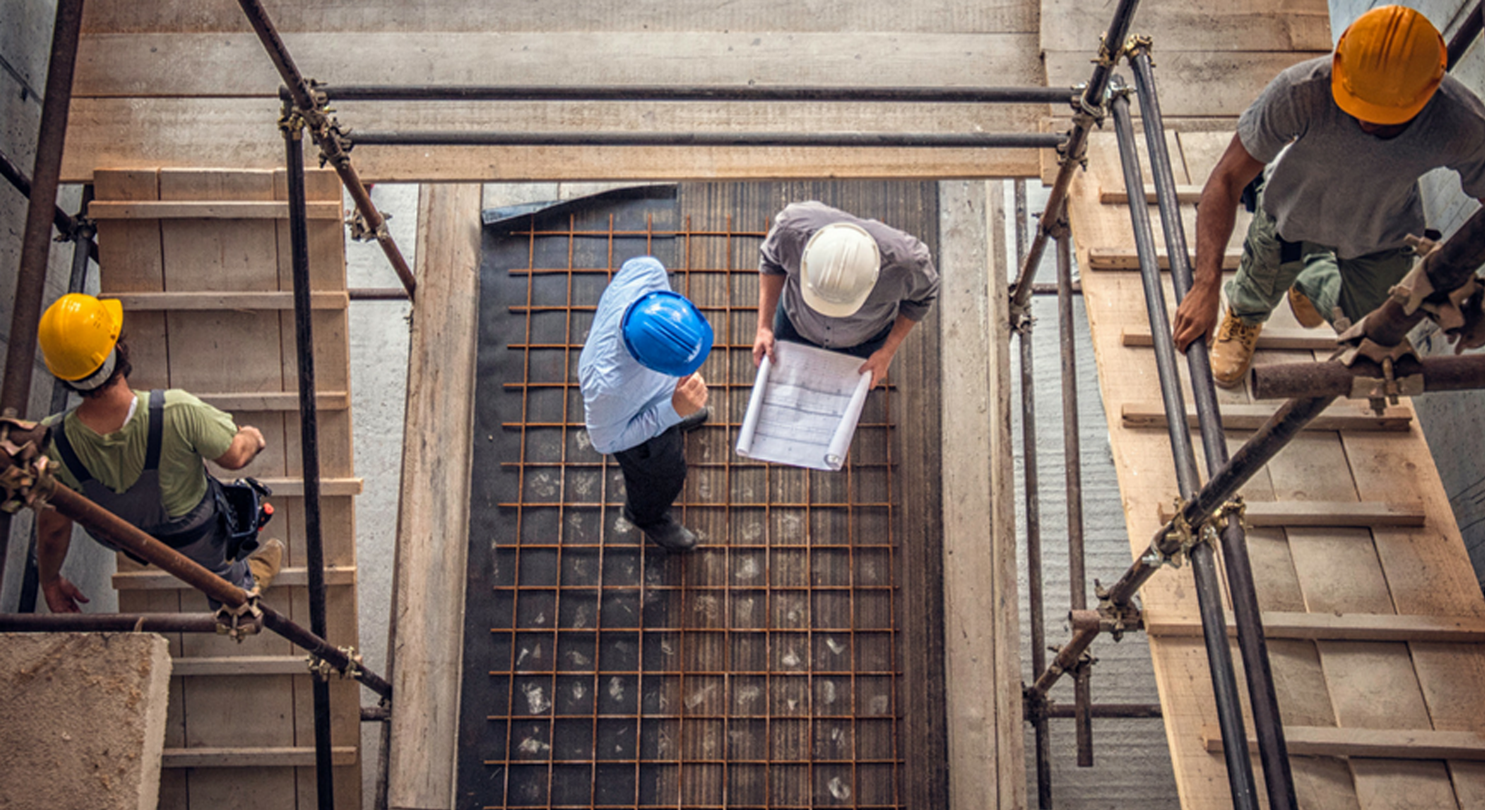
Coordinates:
654 473
783 329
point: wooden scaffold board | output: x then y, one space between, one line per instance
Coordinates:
1378 718
205 299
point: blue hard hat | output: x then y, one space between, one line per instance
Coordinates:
667 333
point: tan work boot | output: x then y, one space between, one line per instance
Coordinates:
265 564
1232 352
1304 309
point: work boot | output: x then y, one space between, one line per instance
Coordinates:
667 533
1304 309
696 420
265 564
1232 352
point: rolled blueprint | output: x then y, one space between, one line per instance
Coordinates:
755 404
840 443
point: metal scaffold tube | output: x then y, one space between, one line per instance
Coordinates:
924 95
326 134
1203 557
1087 112
1034 589
1262 699
309 439
910 140
115 623
25 481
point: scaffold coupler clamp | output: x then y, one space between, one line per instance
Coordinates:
1180 533
240 622
1137 43
27 479
1379 391
1235 507
361 232
1114 619
322 668
1033 703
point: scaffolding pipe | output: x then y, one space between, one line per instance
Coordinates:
1203 556
115 623
127 537
309 442
30 281
1273 752
897 140
1269 439
1332 379
1034 585
326 136
1073 475
64 223
928 95
1087 112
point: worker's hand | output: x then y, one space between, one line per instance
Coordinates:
689 396
877 364
1196 317
762 345
62 596
258 442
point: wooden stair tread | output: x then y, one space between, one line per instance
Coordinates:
1368 742
1106 258
1334 626
1273 338
1327 513
263 757
154 579
208 209
1185 195
275 401
229 301
240 665
1242 416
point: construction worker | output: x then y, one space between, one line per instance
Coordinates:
836 281
641 391
137 454
1342 141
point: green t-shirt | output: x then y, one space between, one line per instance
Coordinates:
193 431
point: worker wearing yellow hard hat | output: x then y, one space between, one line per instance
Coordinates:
139 455
1328 159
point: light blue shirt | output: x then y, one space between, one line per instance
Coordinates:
624 403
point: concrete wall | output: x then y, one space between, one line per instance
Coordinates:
25 43
1451 420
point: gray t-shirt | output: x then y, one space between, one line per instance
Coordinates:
907 283
1338 186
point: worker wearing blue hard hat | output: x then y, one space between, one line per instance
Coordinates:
641 391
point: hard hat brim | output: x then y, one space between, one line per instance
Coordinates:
833 309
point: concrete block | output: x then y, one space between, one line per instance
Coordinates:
82 719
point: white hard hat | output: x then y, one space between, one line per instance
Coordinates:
839 269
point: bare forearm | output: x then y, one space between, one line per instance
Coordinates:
1215 219
900 329
770 287
53 539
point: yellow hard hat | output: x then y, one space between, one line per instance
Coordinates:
77 335
1387 65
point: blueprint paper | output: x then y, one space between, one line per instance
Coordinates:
804 407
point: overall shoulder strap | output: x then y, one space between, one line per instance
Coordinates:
157 430
69 457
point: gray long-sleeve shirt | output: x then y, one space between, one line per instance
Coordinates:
907 283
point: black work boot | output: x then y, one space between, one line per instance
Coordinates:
696 420
667 533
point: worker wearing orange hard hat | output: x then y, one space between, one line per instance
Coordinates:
1340 143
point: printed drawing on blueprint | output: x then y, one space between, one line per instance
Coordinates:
804 407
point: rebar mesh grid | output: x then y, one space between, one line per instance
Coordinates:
760 670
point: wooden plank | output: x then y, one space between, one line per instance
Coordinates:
329 487
275 401
1276 338
1327 513
106 209
1343 416
234 301
1335 626
128 133
974 335
571 15
1185 195
1320 741
144 65
1194 82
239 665
1103 258
1252 25
428 644
255 757
155 579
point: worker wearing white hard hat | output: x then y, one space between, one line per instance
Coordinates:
834 280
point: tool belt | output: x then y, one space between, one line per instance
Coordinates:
243 509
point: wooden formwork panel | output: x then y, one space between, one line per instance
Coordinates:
1348 679
241 718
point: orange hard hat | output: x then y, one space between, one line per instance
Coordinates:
1387 65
